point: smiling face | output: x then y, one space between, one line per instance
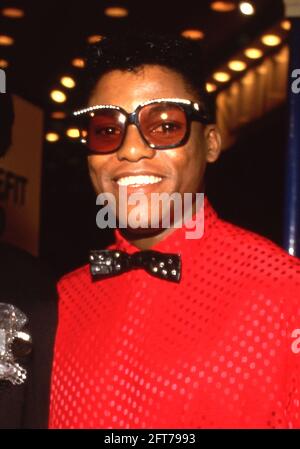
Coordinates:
179 169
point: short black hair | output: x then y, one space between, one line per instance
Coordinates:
132 51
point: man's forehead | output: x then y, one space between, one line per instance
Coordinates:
129 89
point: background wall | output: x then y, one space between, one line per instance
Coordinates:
20 178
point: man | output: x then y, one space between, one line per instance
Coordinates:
25 288
210 343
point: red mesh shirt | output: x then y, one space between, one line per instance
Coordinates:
217 350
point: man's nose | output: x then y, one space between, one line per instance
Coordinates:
134 147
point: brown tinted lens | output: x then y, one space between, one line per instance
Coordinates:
163 124
105 130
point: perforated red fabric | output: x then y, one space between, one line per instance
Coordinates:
215 351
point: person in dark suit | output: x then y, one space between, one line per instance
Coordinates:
27 286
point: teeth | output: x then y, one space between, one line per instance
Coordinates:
138 180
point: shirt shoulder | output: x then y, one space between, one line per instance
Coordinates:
268 271
75 280
80 278
257 252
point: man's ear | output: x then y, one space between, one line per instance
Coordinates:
213 143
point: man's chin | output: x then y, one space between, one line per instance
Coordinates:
140 225
132 233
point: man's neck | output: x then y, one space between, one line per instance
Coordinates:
146 242
146 239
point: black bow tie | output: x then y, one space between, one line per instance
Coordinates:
107 263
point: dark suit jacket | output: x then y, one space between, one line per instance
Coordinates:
26 285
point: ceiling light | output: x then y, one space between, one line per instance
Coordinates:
286 25
271 40
78 62
58 96
210 87
114 11
94 38
237 66
222 77
58 115
193 34
6 40
247 8
13 13
3 63
253 53
223 6
52 137
68 82
74 133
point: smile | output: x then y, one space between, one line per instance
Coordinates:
140 180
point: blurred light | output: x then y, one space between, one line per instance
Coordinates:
3 63
286 25
262 69
78 62
94 38
223 6
247 8
210 87
282 56
115 11
193 34
222 77
248 79
58 96
237 66
13 13
164 115
68 82
271 40
74 133
58 115
253 53
6 40
52 137
292 251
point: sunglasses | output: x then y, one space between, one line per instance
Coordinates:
162 123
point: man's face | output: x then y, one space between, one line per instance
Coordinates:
180 169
